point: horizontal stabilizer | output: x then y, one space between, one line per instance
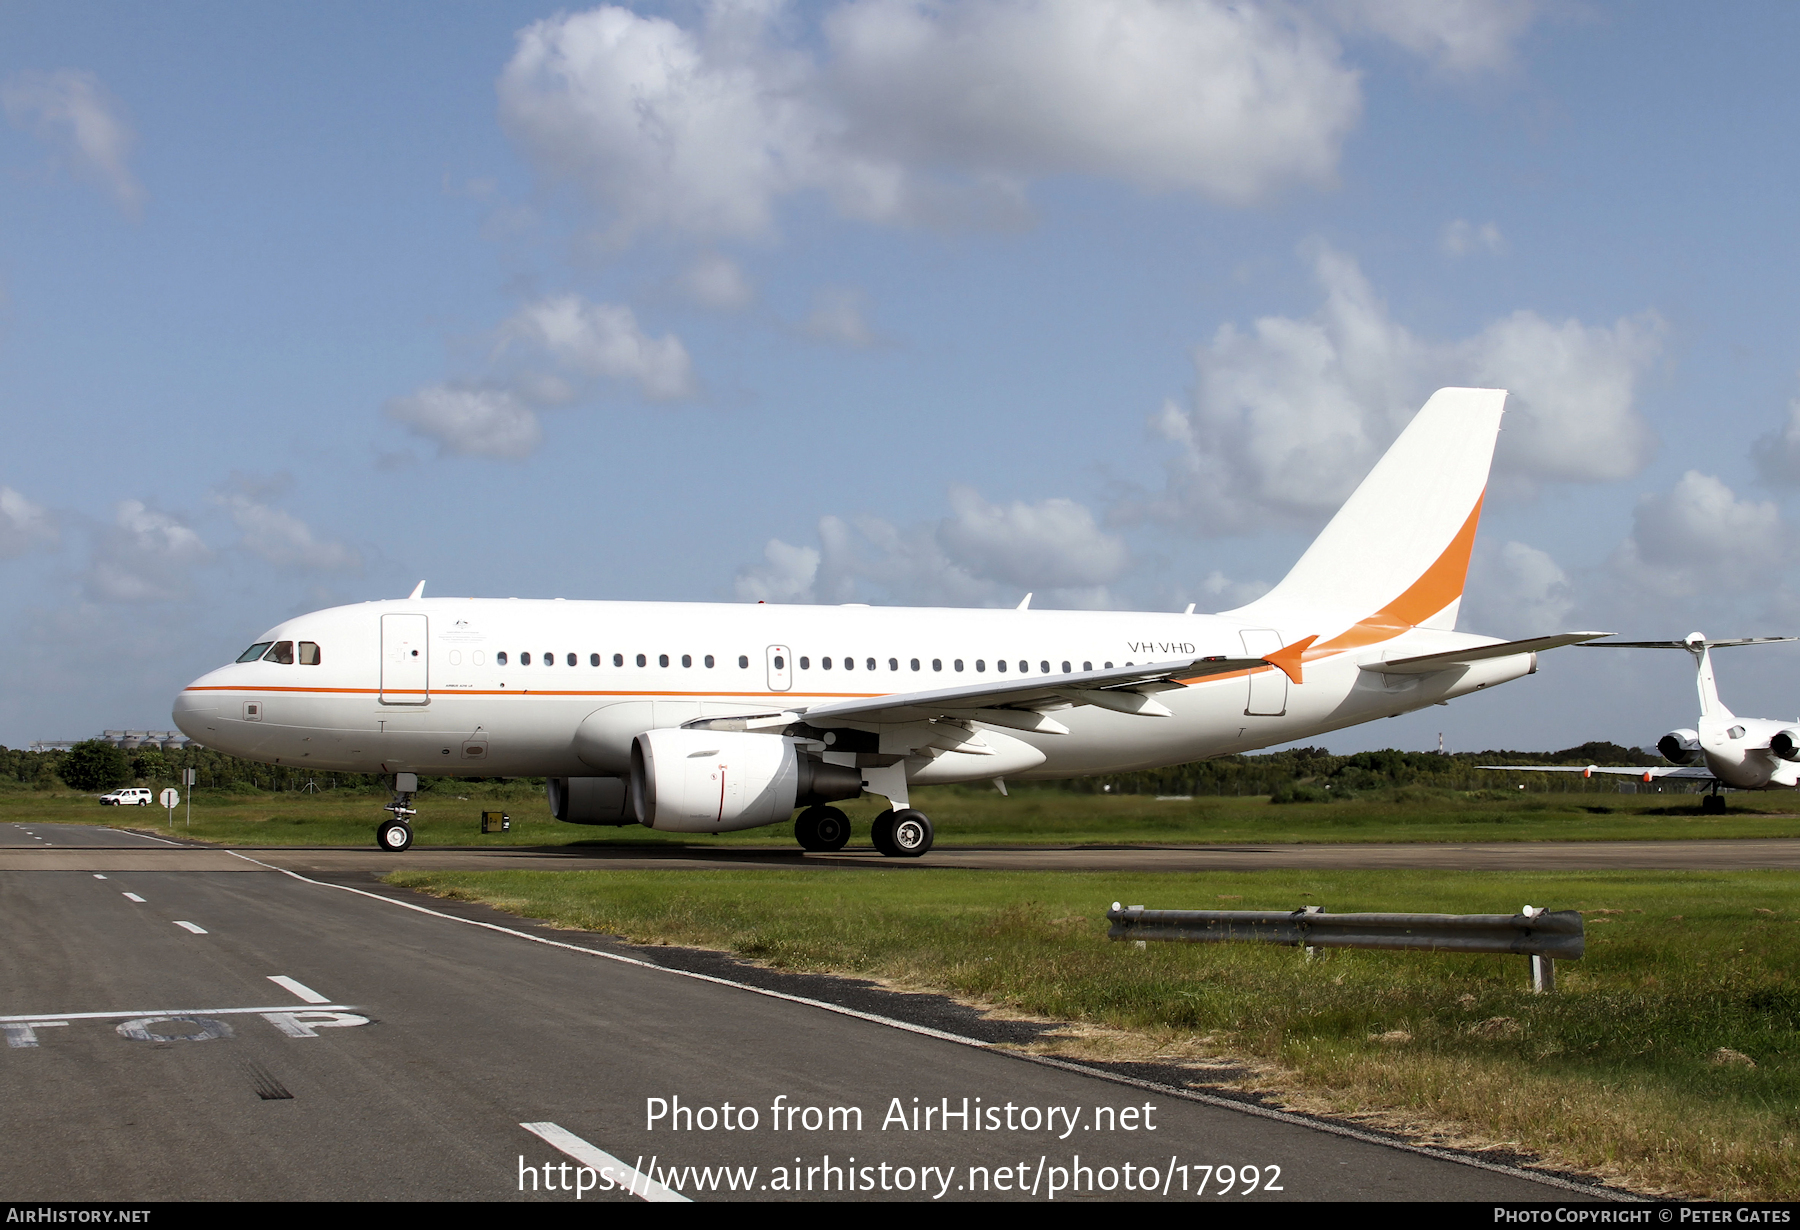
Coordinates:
1425 664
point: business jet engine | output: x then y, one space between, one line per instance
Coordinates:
1786 744
1681 747
714 781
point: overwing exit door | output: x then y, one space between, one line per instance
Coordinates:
781 668
405 661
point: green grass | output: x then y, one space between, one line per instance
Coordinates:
964 816
1619 1072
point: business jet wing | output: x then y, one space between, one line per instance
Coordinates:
1693 643
1023 703
1425 664
1646 774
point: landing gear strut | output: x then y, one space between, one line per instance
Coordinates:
822 828
902 834
395 834
1714 802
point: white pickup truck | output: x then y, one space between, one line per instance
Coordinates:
135 796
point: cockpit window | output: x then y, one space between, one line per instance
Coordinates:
309 653
282 652
254 652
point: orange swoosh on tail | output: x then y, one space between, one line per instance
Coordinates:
1287 658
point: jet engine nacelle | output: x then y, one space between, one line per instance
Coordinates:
1786 743
589 800
714 781
1681 747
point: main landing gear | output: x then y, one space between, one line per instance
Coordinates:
902 834
1713 803
395 833
824 829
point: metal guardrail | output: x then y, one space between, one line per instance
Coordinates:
1543 935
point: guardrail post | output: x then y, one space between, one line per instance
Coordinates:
1543 973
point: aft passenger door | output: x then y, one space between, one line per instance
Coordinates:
1268 687
405 661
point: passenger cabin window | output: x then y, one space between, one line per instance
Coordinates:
980 664
1066 669
937 664
915 664
619 660
709 661
999 666
744 662
894 664
825 664
282 652
593 659
687 659
662 659
549 659
641 661
309 653
805 664
571 659
500 658
1025 668
254 652
1087 666
525 659
957 664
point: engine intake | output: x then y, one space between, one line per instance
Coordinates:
1681 747
1786 744
715 781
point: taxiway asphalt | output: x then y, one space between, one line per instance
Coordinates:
181 1034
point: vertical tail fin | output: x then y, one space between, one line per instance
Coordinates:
1397 553
1710 704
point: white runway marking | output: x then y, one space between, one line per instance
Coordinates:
41 1017
599 1160
307 1024
188 926
134 897
298 988
98 876
24 1033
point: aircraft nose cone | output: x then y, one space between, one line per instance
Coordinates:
193 712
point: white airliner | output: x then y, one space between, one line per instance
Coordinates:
704 718
1726 750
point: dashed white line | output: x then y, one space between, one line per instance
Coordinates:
188 926
98 876
162 1012
298 988
600 1161
134 897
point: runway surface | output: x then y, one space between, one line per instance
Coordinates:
199 1034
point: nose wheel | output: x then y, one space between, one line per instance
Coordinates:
394 836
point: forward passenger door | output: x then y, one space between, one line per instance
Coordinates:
405 660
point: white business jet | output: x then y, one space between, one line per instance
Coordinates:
1726 750
705 718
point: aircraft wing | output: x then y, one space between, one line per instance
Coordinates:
1651 773
1022 703
1425 664
1696 642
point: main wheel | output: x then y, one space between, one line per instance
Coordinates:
822 828
393 836
912 835
881 833
1712 803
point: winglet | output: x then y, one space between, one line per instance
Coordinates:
1024 605
1287 659
418 591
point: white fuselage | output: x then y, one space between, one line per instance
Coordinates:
485 688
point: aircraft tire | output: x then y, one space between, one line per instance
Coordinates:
1713 803
393 836
823 829
881 832
910 834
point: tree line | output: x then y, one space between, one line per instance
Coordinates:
1295 775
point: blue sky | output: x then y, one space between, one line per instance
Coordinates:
1111 301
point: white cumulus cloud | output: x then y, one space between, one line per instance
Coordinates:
905 112
717 281
282 538
837 316
1457 37
470 421
604 340
144 556
981 554
23 524
1699 536
1462 237
70 111
1288 415
1517 591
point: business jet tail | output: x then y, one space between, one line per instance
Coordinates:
1396 554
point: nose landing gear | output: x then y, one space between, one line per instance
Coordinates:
395 834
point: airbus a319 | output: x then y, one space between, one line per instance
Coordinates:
706 718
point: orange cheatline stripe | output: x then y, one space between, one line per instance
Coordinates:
1439 586
239 687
